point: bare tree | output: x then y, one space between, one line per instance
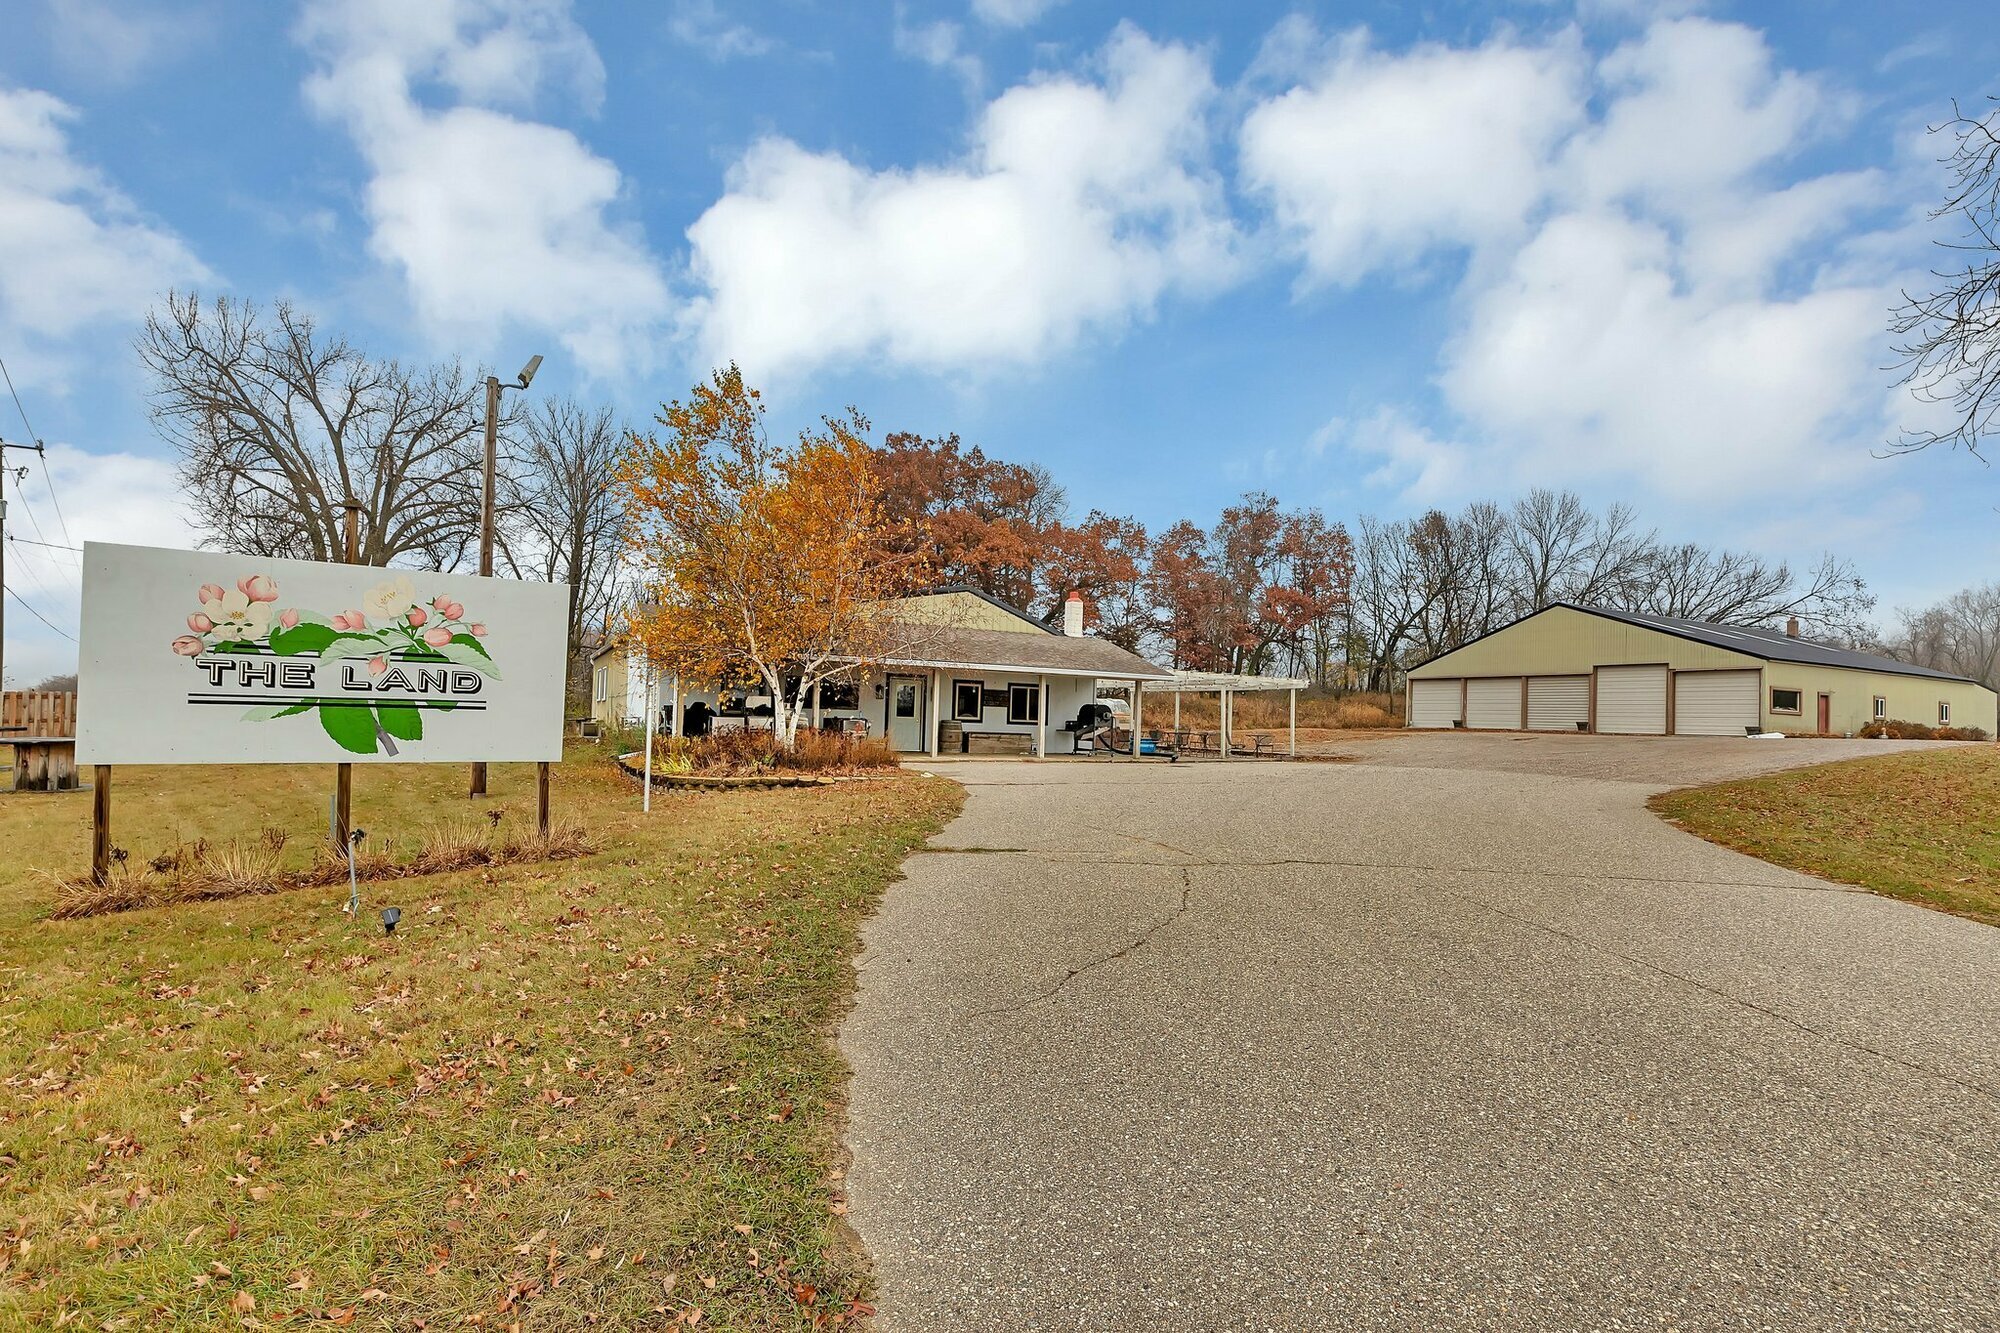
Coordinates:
277 424
567 524
1734 588
1961 635
1951 336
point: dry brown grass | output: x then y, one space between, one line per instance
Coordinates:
582 1094
201 871
1266 712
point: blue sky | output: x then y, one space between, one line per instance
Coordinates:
1370 257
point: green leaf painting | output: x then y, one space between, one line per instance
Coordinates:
392 625
352 728
405 722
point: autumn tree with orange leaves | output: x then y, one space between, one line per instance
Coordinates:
763 564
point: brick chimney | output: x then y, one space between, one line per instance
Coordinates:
1792 627
1073 616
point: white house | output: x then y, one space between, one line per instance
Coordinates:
977 677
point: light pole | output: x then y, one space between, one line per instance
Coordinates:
493 389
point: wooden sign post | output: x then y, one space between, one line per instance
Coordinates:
100 824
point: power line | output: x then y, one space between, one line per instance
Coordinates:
53 546
39 616
41 588
41 452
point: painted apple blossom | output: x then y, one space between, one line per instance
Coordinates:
379 656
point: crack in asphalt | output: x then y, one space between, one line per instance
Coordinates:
1645 965
1067 857
1187 892
1834 1038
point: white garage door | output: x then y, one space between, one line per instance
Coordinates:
1632 700
1433 703
1714 703
1493 705
1558 703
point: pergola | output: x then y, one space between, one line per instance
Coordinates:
1228 684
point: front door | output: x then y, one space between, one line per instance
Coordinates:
1825 714
906 713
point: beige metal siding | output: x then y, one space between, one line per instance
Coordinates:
1558 703
1714 703
1561 642
1910 698
1493 705
1433 703
1632 700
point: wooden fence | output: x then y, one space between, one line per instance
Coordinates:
26 713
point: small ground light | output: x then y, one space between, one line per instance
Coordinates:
390 916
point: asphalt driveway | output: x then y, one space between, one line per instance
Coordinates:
1454 1036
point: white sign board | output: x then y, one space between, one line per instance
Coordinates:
193 657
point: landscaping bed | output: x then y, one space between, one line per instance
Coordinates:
594 1092
1921 826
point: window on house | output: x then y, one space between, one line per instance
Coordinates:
1786 701
965 701
1024 704
1944 713
603 684
1881 708
842 695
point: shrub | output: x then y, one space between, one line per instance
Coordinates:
1896 729
748 753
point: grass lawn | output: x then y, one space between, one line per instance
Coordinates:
597 1092
1923 826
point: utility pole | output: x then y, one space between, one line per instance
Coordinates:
487 471
20 475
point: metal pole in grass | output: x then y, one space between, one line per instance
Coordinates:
353 884
646 801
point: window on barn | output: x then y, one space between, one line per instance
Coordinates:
1786 701
1881 708
1944 713
603 684
965 700
1024 704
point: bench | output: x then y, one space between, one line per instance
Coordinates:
999 742
43 763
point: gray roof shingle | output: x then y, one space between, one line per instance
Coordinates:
1769 644
1030 650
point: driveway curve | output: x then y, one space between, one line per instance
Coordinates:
1455 1035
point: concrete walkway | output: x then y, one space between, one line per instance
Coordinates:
1455 1036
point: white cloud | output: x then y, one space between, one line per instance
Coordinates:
1410 459
115 497
1078 207
1590 356
1011 13
1657 294
702 24
1382 159
492 219
113 42
74 251
1695 109
939 45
